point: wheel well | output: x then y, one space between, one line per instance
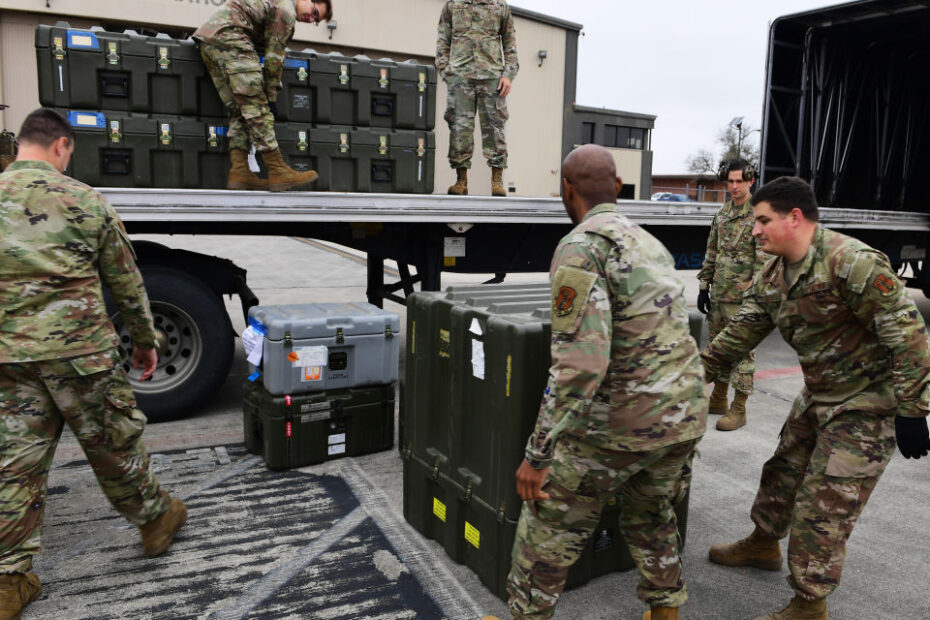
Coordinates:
219 274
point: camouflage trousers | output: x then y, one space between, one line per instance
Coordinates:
720 314
815 486
237 75
465 98
90 393
552 533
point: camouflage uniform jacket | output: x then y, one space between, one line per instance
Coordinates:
860 339
58 237
626 374
733 255
262 25
472 36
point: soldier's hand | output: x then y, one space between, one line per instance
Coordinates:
913 436
148 358
503 87
704 301
530 482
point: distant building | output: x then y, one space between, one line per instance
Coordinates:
697 187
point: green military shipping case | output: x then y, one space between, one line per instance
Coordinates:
119 149
361 159
330 89
124 71
299 430
476 366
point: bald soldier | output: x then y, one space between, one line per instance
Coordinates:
624 406
863 347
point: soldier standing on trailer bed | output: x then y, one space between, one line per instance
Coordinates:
230 44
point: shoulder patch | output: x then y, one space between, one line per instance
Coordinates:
884 284
570 289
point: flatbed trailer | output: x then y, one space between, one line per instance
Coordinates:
424 234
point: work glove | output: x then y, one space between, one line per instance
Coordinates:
912 435
704 301
273 108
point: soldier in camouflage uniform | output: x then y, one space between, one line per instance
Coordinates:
864 352
230 44
59 359
733 256
624 406
476 55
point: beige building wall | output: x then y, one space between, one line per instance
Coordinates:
399 29
629 164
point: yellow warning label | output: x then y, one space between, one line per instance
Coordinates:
509 372
448 261
439 509
472 535
445 343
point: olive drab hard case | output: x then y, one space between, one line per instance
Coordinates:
324 346
299 430
363 159
357 91
123 71
476 365
120 149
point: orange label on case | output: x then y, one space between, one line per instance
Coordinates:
313 373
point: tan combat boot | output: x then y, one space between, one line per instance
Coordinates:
158 534
758 549
282 177
661 613
497 182
461 182
800 609
16 591
736 416
240 175
718 399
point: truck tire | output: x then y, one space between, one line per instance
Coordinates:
196 345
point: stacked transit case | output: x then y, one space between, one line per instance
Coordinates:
324 385
476 366
147 114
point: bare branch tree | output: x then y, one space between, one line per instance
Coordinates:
729 146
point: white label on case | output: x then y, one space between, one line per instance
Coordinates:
337 449
340 438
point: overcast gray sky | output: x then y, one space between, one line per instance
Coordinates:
695 64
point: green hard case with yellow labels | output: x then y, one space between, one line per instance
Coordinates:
357 91
300 430
119 149
126 71
361 159
476 365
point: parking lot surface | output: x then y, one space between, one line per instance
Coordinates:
329 541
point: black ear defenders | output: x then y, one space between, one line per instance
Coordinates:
748 171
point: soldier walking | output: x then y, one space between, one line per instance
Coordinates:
733 256
864 352
476 55
624 407
230 44
59 356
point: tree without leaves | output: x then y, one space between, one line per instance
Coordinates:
705 161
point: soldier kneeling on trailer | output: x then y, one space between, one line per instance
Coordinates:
230 43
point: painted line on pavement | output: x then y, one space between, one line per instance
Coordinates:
442 586
75 550
289 568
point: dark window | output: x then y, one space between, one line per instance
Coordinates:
636 138
587 133
628 191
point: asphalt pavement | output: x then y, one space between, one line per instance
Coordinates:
330 541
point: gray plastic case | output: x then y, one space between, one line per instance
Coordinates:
362 346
